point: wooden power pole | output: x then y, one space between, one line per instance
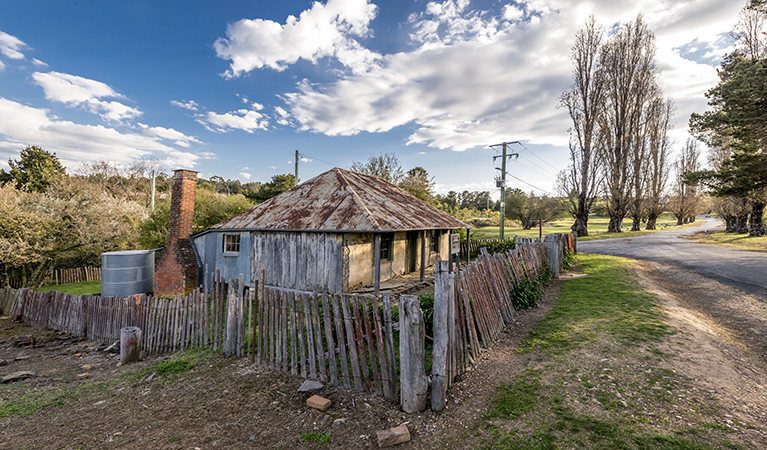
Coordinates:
501 181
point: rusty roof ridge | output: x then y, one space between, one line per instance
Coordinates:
357 198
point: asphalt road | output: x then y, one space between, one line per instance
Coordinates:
741 269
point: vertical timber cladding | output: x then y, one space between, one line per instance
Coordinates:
304 261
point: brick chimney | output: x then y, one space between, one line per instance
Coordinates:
176 269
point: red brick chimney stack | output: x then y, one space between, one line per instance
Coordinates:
176 270
182 204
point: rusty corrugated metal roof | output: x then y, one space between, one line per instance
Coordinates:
342 200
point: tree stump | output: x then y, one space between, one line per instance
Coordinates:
130 344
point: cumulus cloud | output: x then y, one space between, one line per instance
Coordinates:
11 46
475 77
21 124
242 119
37 62
82 92
191 105
245 175
324 30
177 137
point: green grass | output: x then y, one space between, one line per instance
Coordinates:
316 436
83 287
742 241
597 229
600 303
177 365
32 402
596 376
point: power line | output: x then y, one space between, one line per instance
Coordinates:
534 187
536 165
532 170
317 159
546 162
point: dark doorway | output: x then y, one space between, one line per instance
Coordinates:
412 251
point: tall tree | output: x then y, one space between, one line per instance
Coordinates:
33 170
579 183
385 166
684 193
737 120
529 209
277 185
418 183
657 165
628 62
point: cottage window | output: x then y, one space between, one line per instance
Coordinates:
387 246
435 234
231 243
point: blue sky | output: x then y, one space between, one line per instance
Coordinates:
234 88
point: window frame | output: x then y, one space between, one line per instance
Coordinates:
436 236
234 240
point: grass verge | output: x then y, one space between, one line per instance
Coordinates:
742 241
597 229
83 287
598 379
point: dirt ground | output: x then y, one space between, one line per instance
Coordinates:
228 403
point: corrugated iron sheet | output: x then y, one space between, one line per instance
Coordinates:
342 200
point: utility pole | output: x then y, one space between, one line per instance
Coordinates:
501 182
151 201
295 179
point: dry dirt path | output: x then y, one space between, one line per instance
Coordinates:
741 269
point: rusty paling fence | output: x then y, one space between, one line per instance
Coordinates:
342 339
167 324
337 338
473 306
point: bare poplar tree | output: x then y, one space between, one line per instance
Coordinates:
684 196
579 183
657 165
749 32
628 62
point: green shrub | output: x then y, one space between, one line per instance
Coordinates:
427 306
568 261
500 247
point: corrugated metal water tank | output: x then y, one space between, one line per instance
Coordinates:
127 273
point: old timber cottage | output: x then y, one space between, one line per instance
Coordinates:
337 231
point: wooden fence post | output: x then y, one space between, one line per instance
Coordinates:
414 387
439 351
232 318
555 261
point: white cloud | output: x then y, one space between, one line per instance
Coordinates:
2 66
474 78
178 137
22 125
245 175
242 119
11 46
208 155
191 105
37 62
78 91
273 167
324 30
283 117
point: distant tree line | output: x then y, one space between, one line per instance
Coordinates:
51 218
